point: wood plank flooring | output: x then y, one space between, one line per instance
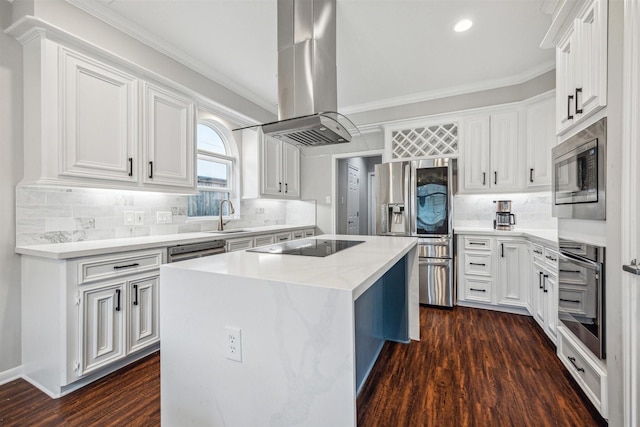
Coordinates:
472 368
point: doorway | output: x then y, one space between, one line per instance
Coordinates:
355 189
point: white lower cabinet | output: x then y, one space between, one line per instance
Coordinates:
243 243
88 316
544 289
493 272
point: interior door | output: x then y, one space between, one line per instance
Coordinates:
353 200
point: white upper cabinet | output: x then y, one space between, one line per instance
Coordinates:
541 138
90 121
270 167
168 137
98 111
581 66
490 153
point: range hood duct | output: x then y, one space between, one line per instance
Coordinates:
307 82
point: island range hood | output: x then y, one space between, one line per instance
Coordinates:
307 82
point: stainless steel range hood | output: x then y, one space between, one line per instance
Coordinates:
307 82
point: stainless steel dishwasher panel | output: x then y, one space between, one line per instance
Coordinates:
436 281
194 250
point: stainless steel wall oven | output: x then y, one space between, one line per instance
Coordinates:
581 293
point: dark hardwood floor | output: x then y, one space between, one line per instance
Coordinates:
471 368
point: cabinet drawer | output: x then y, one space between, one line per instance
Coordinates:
476 289
477 263
310 232
282 237
239 244
551 259
263 241
569 272
572 300
477 243
299 234
101 268
538 252
591 378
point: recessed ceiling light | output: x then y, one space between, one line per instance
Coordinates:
462 25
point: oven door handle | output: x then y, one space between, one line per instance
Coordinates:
591 265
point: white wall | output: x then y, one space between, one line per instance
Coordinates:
10 173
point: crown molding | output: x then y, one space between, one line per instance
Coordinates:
128 27
449 92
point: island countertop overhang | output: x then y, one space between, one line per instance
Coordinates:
354 269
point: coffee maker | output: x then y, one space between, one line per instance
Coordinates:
504 220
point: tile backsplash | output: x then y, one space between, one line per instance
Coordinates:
56 215
532 210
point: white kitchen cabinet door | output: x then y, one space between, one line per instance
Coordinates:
591 74
550 291
513 273
566 53
169 143
504 151
103 335
476 153
143 306
272 166
541 138
291 170
538 305
99 118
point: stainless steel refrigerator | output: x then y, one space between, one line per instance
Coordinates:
415 199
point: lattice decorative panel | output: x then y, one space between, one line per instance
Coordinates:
429 141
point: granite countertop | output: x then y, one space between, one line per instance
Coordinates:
545 236
99 247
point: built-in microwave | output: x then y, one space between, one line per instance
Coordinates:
578 174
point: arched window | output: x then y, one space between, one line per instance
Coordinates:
215 165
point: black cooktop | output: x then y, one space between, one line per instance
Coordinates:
308 247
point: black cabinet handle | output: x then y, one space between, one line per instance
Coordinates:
150 169
476 243
130 166
531 175
568 271
569 98
477 290
537 252
577 301
477 263
578 110
279 187
135 294
117 299
540 273
495 177
118 267
544 289
573 362
286 187
501 250
484 178
550 258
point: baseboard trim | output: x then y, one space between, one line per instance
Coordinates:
10 375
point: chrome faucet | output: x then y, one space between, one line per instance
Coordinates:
231 212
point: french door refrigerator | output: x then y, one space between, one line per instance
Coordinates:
415 199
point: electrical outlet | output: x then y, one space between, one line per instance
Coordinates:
129 218
139 218
327 200
233 343
163 217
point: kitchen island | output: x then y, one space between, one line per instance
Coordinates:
306 331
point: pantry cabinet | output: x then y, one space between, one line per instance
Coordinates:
491 152
581 66
271 168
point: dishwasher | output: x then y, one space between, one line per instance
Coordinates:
194 250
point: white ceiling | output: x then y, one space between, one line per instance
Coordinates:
389 52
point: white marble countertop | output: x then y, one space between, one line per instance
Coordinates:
99 247
546 236
353 269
